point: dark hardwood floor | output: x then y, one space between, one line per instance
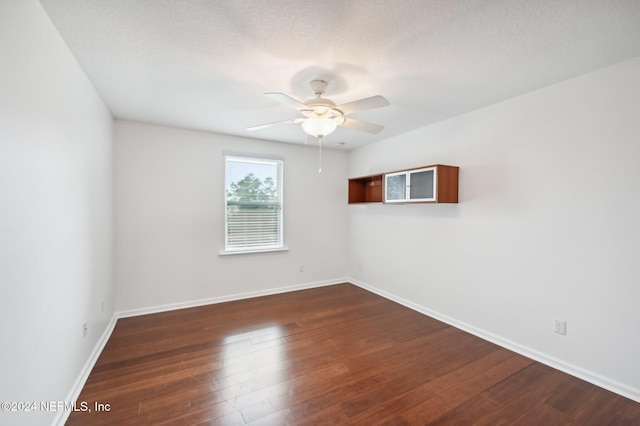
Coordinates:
327 356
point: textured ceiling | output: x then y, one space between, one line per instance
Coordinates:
205 64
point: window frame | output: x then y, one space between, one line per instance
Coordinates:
278 162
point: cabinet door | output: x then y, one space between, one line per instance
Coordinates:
395 188
422 185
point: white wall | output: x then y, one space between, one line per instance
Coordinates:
546 227
55 213
169 215
547 224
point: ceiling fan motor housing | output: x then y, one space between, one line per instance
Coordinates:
320 107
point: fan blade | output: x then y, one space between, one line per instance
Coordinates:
286 99
363 104
264 126
362 125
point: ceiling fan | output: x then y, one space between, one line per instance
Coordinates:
321 116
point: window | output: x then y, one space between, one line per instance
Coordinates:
253 190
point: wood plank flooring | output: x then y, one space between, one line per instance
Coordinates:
336 355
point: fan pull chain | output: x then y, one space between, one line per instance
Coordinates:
320 155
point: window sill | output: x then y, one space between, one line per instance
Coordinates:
233 253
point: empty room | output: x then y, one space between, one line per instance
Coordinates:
319 213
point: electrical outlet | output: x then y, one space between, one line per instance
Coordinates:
301 268
85 329
102 306
560 326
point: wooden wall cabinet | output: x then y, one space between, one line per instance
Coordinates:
366 189
429 184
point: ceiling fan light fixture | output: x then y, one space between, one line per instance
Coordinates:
319 127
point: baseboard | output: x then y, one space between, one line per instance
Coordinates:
74 393
588 376
229 298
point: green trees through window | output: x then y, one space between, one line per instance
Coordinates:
252 189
